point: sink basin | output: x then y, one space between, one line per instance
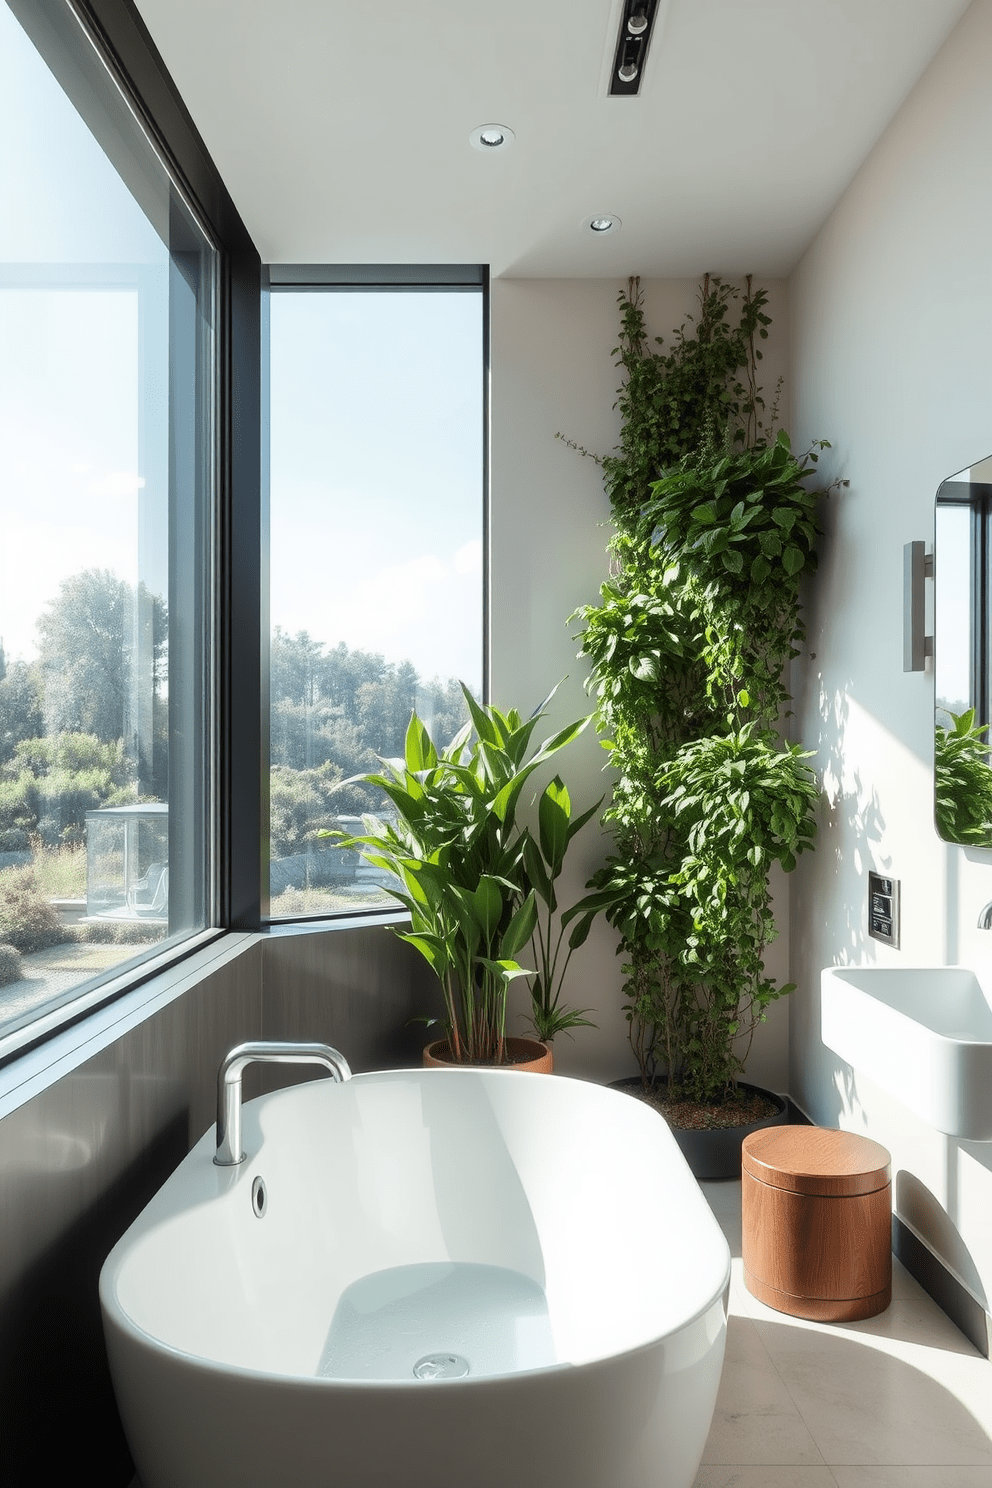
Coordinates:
923 1033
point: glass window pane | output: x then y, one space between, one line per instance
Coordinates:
953 606
376 494
106 398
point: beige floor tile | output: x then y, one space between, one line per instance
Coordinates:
755 1421
918 1323
912 1477
905 1287
901 1400
723 1196
904 1387
738 1293
765 1477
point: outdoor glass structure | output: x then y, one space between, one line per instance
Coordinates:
127 863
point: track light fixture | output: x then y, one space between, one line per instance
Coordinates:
632 46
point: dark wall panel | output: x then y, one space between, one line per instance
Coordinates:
355 989
77 1164
79 1161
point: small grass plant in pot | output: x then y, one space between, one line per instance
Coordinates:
715 526
478 885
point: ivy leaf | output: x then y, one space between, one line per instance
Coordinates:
760 569
792 560
644 668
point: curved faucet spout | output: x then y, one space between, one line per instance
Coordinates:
229 1152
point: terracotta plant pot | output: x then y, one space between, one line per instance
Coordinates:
524 1054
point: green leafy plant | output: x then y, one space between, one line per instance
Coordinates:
543 860
963 781
478 886
673 402
715 531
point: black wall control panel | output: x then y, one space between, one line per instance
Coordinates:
883 909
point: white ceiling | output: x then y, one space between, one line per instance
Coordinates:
342 129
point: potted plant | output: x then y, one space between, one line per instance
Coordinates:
478 885
689 646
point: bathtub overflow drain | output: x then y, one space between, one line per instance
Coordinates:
441 1366
259 1198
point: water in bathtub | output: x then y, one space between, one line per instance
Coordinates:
438 1320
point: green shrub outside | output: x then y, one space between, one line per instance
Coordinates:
49 784
27 920
10 965
60 874
116 932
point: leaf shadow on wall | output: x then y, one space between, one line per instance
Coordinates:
850 837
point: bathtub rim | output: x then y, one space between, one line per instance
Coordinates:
112 1308
135 1333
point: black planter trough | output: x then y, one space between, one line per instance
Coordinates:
716 1151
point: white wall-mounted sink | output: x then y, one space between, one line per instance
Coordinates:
922 1033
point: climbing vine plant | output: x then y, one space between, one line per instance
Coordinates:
715 531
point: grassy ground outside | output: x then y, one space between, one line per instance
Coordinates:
60 874
292 903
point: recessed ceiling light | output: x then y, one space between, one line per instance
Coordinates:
492 137
605 223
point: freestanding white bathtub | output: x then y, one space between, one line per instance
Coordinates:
534 1247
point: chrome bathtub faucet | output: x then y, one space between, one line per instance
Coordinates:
985 917
229 1152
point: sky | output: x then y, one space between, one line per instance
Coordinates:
376 421
376 474
82 452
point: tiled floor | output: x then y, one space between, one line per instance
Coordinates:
902 1400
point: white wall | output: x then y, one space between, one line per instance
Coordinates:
891 310
552 370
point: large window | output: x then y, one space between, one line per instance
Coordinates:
376 554
107 440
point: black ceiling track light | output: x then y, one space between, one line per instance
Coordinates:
632 47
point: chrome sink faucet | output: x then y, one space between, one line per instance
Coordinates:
985 917
229 1152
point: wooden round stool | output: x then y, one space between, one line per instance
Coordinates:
816 1207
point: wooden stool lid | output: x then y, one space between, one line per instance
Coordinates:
815 1160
